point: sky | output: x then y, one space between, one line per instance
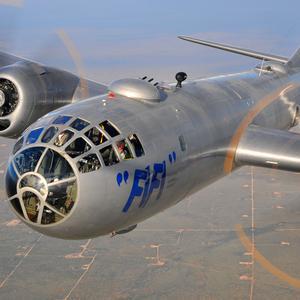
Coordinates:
133 38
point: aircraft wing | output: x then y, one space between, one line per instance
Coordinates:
237 50
8 59
269 148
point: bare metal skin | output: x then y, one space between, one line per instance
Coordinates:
190 137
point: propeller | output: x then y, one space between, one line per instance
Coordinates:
76 57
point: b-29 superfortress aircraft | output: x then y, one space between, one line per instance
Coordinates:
92 159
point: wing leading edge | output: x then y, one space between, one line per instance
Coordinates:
236 50
94 87
269 148
8 59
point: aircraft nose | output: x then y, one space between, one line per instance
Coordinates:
59 178
41 186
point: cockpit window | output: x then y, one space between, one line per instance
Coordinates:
54 167
182 143
18 145
27 160
32 205
61 120
35 182
136 145
79 124
63 137
109 128
34 135
124 150
109 156
96 136
89 163
61 197
77 147
49 134
49 216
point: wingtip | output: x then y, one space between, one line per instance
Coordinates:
182 37
188 38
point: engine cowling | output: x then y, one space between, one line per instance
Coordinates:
29 90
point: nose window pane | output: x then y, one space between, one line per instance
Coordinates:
124 150
34 135
60 120
18 145
78 147
49 134
11 180
62 196
27 160
136 144
54 167
109 156
88 164
49 216
79 124
34 182
63 137
32 205
96 136
109 128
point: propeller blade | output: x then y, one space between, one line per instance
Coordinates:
75 55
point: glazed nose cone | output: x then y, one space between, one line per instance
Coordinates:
41 186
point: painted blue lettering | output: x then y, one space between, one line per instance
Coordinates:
151 183
146 188
155 182
136 190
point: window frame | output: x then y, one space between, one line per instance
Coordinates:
80 136
55 134
79 130
40 130
132 153
113 126
68 141
69 118
116 154
108 138
132 146
84 155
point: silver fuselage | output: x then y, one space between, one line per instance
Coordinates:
205 113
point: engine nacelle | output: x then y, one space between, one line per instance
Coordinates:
29 90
